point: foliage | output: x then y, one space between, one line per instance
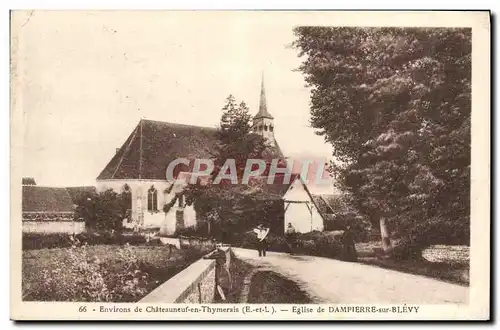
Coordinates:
395 103
219 205
88 278
34 241
236 139
315 243
104 211
103 273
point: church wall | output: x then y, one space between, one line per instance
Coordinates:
139 189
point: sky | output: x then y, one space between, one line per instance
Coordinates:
87 78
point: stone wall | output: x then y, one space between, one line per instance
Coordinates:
49 227
194 285
447 253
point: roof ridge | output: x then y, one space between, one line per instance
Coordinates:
176 124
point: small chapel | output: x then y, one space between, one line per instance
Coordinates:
138 169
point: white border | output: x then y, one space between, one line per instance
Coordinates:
146 4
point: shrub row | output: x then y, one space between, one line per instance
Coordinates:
34 241
314 243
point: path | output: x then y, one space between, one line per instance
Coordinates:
334 281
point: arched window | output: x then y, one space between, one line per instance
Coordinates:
126 194
181 201
152 199
265 128
260 128
271 128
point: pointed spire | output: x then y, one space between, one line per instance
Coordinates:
263 113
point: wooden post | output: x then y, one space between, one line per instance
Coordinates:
384 234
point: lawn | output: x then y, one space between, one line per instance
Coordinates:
457 273
104 272
452 271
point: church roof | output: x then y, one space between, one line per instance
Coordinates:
153 145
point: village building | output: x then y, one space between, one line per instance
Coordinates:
139 169
51 209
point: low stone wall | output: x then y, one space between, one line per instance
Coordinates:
186 242
447 253
50 227
196 284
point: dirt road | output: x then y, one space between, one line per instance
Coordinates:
334 281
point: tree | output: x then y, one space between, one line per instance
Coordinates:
104 211
395 105
236 140
219 204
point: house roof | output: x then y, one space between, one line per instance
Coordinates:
29 181
46 199
257 188
154 144
77 192
323 204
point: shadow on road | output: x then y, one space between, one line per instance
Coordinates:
270 288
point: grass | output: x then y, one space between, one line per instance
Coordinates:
451 272
457 273
156 261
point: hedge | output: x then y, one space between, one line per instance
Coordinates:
314 243
34 241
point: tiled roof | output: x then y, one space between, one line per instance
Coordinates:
29 181
259 189
77 192
322 204
46 199
154 144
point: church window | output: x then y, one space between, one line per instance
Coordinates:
127 202
181 201
152 199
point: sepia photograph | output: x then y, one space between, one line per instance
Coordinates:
189 161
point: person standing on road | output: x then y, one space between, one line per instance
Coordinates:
290 237
261 232
348 245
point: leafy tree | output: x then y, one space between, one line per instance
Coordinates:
104 211
219 204
395 105
236 139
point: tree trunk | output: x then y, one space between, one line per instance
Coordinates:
384 234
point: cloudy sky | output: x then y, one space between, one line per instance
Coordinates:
87 78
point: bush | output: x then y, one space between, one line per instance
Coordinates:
314 243
34 241
90 279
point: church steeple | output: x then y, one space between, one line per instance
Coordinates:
263 113
263 122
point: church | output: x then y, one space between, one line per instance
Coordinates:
138 169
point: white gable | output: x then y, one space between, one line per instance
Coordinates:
296 192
